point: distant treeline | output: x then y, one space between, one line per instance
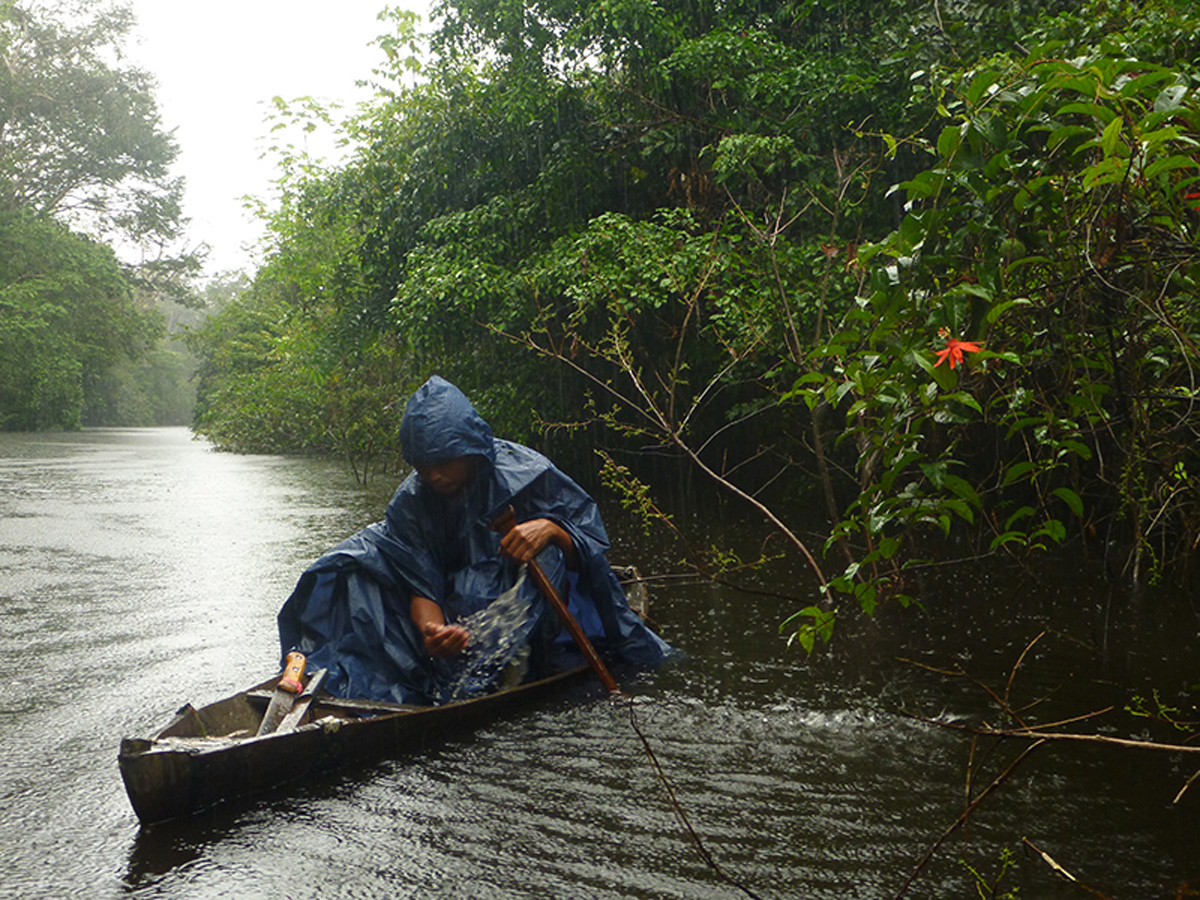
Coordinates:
86 338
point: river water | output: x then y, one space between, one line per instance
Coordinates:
139 570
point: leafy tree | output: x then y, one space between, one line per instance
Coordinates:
67 317
1054 229
686 212
82 140
82 148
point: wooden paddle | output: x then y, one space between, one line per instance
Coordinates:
504 524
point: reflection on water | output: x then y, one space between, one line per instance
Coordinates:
138 569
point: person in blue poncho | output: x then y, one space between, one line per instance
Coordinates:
390 612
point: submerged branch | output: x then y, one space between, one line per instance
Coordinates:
1059 870
965 817
1069 737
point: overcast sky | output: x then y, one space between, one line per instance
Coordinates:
218 64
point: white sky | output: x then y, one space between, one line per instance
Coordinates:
218 64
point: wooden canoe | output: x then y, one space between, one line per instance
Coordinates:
213 754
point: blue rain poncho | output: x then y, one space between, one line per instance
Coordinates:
350 614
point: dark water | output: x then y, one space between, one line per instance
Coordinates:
138 569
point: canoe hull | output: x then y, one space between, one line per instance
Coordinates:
209 755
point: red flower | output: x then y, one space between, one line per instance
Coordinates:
954 351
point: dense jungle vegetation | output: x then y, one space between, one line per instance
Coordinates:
930 267
87 337
927 268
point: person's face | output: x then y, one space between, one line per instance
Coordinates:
450 477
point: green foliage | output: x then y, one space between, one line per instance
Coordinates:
83 140
808 626
84 159
268 385
1155 709
67 319
1054 228
250 399
990 889
930 269
634 495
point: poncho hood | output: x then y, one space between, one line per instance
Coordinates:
440 424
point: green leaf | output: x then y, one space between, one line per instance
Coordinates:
1076 447
1066 133
946 378
1112 132
1134 86
1029 192
1106 171
961 508
966 400
999 309
920 359
1028 261
1023 513
981 82
1153 139
935 472
806 636
1053 529
866 597
922 185
1016 472
1071 498
1167 164
949 141
1170 98
1008 537
1102 113
963 488
967 289
1024 423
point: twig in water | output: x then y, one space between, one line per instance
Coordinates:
1187 784
1059 870
966 815
681 814
1013 674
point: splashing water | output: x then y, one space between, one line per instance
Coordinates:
499 635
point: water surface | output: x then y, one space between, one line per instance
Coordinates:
139 570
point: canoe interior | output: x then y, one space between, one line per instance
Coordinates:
238 717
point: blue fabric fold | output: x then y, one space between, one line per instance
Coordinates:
349 612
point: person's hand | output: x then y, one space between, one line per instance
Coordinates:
527 539
443 641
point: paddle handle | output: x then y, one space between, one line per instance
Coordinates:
292 679
504 524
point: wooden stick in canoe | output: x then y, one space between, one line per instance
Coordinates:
504 524
303 702
291 683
